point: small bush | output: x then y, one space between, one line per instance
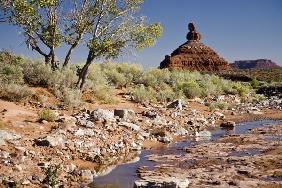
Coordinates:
10 68
104 95
255 83
191 89
51 175
14 92
116 78
166 93
95 77
218 105
143 94
71 97
37 73
47 115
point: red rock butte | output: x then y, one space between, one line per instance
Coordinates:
194 56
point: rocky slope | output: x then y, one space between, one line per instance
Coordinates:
87 142
255 64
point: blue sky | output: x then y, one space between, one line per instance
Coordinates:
236 29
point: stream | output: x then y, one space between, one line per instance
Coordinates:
124 175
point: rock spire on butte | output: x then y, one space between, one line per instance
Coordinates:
193 55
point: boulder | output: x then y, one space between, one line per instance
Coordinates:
84 122
53 141
181 132
7 135
150 114
86 175
131 126
175 104
228 124
161 182
102 115
124 113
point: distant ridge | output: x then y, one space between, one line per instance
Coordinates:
254 64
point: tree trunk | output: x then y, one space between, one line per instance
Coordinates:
47 59
67 58
83 73
53 61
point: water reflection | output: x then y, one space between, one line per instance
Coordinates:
123 176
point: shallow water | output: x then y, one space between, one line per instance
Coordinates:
124 175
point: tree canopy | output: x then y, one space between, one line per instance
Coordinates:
107 27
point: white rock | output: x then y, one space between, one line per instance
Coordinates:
160 182
70 168
181 132
131 126
79 133
86 175
26 182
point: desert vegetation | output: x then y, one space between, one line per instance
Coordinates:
19 74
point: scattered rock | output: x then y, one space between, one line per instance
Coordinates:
131 126
70 168
53 141
86 175
176 104
82 121
181 132
162 182
26 182
228 124
7 136
102 115
150 114
124 113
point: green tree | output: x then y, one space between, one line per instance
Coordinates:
39 22
115 25
77 23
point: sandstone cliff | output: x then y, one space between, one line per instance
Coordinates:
193 55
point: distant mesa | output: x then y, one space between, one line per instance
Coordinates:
194 56
255 64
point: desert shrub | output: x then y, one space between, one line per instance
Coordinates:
190 89
154 77
116 78
62 78
10 68
47 115
11 74
121 74
241 90
104 94
37 73
255 83
14 92
166 93
131 72
142 94
62 85
51 175
98 83
71 97
95 77
218 105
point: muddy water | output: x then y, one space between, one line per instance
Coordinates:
124 175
